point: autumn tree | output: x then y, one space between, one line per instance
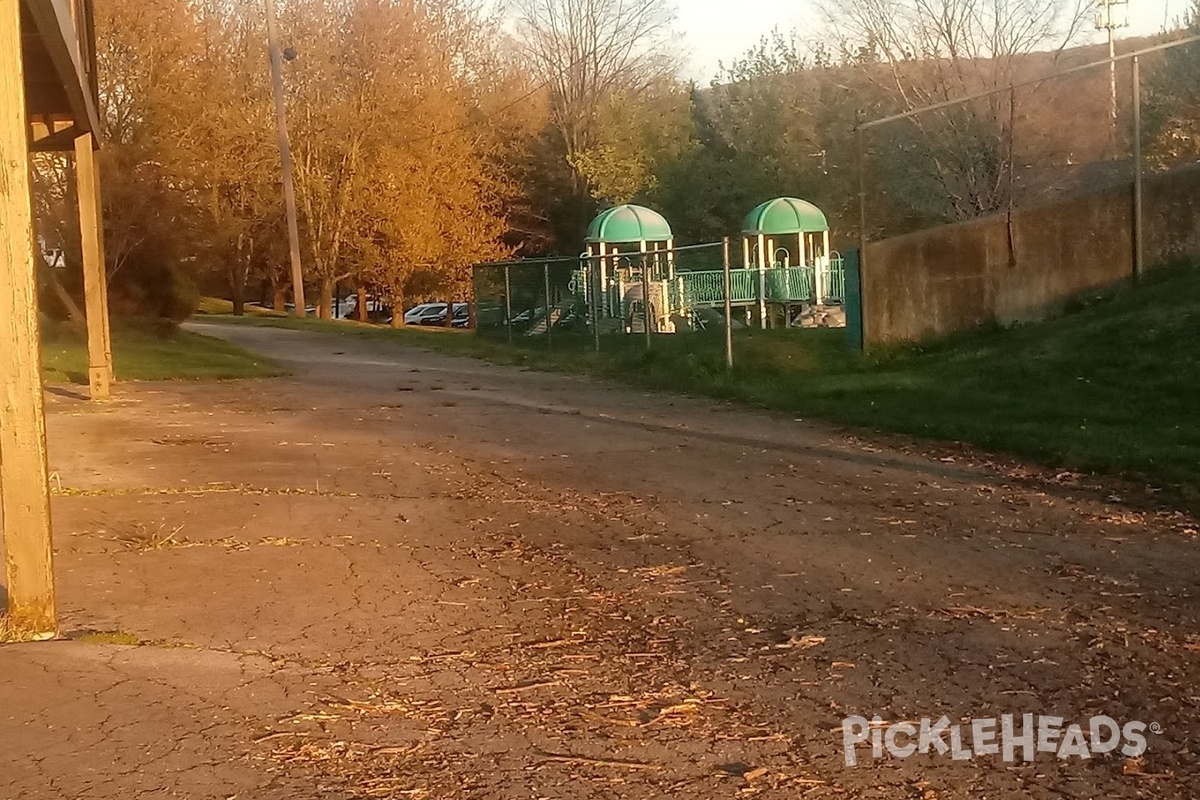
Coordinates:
154 224
225 155
395 180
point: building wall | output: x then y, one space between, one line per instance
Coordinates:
963 275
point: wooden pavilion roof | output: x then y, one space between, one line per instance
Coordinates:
60 71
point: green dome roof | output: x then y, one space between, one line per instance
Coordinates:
624 224
785 215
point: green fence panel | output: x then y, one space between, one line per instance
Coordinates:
852 294
790 284
707 288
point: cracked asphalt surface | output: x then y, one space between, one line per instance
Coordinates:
399 574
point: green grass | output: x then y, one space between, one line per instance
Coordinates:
1110 386
147 356
217 305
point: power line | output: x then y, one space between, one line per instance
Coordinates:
1033 81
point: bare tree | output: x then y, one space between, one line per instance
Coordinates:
586 51
931 51
939 49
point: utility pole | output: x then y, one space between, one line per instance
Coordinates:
285 155
1111 15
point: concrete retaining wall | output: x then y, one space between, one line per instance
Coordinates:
963 275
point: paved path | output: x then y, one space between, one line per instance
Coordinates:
399 574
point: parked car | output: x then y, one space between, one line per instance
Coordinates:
436 314
415 314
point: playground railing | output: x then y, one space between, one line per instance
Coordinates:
790 284
588 296
707 288
834 284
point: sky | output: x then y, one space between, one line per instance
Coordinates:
717 30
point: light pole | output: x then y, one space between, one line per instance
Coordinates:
1110 15
285 155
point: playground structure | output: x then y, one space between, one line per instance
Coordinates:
787 278
634 279
632 250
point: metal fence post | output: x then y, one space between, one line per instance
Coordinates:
646 298
593 272
861 161
508 303
549 316
727 283
1138 219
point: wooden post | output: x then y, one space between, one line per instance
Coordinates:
24 484
95 280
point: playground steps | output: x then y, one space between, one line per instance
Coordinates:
556 315
823 316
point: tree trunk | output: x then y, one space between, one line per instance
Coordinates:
74 315
237 288
449 314
361 303
237 280
398 312
279 287
325 305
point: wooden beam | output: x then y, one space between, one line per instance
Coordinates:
24 484
54 136
61 39
95 281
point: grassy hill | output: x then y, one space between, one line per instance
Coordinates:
1111 386
143 355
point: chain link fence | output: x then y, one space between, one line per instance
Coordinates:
633 292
